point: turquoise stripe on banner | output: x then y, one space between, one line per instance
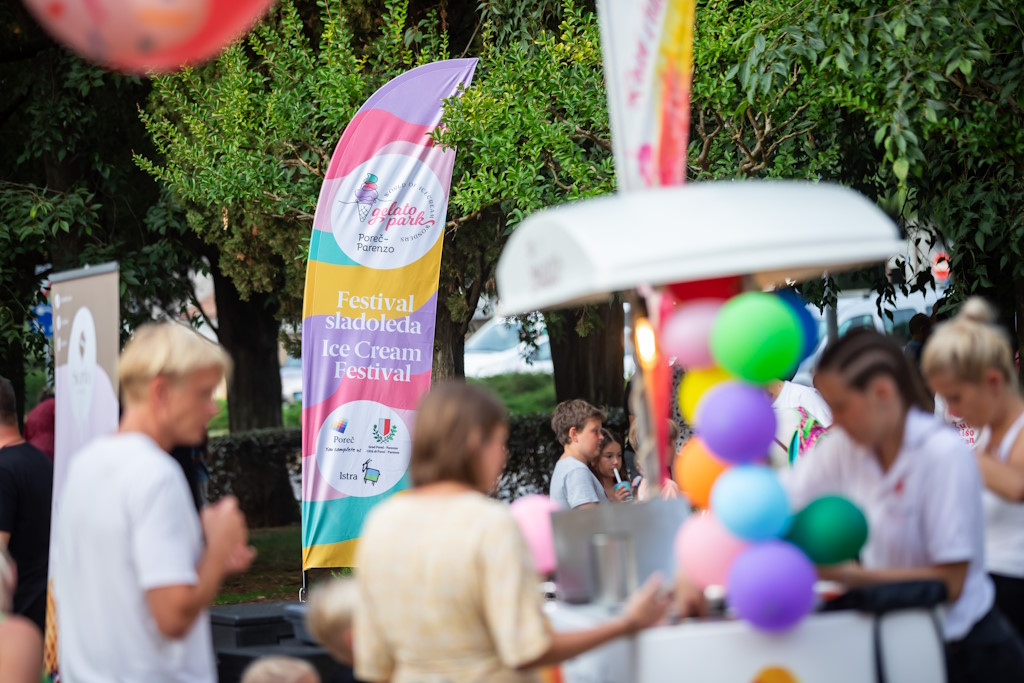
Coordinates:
324 248
341 519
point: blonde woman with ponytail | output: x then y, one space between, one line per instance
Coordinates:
968 361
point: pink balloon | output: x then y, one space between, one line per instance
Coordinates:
147 35
685 334
533 514
705 550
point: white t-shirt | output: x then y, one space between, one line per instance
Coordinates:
925 510
968 433
787 419
573 484
793 395
128 524
1004 521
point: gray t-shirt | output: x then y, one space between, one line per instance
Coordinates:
573 484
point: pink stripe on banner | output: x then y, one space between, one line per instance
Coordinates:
354 149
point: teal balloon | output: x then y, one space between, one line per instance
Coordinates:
750 502
757 337
830 530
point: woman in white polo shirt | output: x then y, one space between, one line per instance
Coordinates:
969 363
920 490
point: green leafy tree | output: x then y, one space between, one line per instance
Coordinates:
70 194
245 142
929 98
534 132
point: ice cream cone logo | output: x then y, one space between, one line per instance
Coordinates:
366 195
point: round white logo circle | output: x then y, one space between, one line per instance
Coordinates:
389 212
363 448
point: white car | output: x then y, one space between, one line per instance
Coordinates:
857 310
291 380
496 349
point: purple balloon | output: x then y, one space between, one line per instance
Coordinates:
737 422
771 585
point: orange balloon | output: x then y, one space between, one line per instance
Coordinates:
695 471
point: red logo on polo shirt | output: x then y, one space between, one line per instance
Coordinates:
898 488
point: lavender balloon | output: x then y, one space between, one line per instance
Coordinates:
737 422
771 585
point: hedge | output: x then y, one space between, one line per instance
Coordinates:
533 451
255 466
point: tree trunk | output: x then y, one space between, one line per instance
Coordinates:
1018 309
12 366
249 330
588 367
449 341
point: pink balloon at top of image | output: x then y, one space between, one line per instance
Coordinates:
705 550
533 514
686 333
147 35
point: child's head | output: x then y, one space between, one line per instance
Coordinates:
634 440
577 426
969 362
280 670
461 432
329 615
869 384
610 459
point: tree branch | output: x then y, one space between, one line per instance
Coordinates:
554 176
706 138
453 225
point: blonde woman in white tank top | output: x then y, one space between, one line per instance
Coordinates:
968 361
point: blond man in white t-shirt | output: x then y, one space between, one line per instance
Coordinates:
133 575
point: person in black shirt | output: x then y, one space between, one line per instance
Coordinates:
26 489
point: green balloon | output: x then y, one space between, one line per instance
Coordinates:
756 337
830 530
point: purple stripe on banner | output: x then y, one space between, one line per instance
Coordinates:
410 345
413 96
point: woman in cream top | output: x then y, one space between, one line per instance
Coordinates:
447 588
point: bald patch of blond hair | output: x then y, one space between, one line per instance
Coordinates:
165 349
331 609
969 345
279 669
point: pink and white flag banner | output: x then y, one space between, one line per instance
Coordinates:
370 303
648 69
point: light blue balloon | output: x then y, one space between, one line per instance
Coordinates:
751 503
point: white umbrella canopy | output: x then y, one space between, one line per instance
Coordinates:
772 230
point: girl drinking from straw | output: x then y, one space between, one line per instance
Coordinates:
610 471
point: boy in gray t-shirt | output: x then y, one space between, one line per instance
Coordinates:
577 425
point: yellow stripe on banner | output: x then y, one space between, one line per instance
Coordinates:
328 555
378 288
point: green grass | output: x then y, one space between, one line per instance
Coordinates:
276 574
291 416
522 393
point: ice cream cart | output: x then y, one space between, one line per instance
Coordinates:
767 233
